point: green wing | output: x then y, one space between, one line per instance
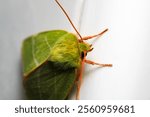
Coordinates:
58 46
50 82
50 60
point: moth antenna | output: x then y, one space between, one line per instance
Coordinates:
68 19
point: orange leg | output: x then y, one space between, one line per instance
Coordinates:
101 65
78 90
79 79
80 73
99 34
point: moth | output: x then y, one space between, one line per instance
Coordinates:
53 62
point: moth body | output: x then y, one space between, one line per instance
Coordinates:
51 60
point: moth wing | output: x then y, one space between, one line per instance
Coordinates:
36 49
50 82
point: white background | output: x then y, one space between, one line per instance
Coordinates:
126 45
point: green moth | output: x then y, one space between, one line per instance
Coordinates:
53 62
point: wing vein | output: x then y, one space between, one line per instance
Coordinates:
34 58
47 42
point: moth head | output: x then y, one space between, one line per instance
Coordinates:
84 48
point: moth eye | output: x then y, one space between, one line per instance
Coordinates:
82 55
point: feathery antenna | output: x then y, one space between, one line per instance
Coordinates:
68 18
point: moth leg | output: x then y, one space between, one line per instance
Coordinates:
78 83
79 79
92 36
94 63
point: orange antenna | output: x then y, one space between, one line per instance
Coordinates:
68 18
